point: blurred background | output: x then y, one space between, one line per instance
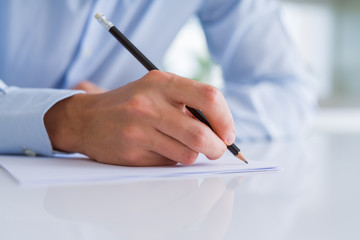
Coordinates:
327 36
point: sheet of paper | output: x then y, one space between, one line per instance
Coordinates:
63 170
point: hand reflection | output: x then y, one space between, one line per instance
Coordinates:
167 209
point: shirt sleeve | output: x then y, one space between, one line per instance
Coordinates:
267 86
22 110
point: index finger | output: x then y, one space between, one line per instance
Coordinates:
208 99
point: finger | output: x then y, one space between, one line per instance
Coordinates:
137 157
206 98
191 133
89 87
151 159
155 159
186 111
172 149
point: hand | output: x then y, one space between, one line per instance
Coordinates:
143 123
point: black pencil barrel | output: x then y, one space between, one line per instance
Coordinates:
132 49
234 149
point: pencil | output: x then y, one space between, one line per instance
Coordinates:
150 66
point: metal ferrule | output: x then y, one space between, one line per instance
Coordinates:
104 21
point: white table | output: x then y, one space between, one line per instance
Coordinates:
315 196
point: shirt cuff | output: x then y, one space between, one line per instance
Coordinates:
22 113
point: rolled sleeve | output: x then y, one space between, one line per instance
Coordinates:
22 110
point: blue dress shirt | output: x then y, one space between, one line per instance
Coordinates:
47 47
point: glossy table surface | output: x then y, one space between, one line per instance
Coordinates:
316 195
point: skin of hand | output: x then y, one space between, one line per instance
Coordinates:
143 123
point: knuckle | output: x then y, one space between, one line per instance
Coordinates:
212 94
189 157
153 73
162 79
225 126
141 106
218 154
158 76
198 139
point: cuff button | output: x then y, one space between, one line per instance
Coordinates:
29 152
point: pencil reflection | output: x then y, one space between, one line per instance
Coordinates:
166 209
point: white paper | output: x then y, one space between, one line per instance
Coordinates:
61 170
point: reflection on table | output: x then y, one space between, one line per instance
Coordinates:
314 197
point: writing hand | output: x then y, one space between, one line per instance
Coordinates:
143 123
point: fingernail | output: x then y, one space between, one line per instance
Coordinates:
230 140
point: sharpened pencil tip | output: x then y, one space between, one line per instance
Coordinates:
241 157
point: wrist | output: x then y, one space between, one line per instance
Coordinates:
64 123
